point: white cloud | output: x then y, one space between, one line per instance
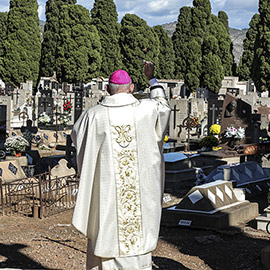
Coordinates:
160 12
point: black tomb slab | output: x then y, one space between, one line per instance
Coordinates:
3 125
180 170
214 112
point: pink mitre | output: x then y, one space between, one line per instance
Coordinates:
120 77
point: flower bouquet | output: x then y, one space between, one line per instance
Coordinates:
16 144
63 119
44 118
234 135
67 106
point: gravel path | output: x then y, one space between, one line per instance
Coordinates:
52 243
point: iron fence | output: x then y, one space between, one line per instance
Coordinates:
40 195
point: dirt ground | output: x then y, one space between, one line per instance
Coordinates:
52 243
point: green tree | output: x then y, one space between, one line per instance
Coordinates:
78 51
138 41
220 32
3 36
180 39
212 70
246 61
202 39
166 54
23 44
260 72
224 19
51 36
105 18
3 31
228 62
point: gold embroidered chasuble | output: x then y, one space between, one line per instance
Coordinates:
120 161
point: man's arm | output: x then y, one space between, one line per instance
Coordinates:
158 94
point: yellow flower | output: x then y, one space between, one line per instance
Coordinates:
216 148
215 129
166 139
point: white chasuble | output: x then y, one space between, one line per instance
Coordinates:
129 216
120 161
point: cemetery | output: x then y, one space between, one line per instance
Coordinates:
217 173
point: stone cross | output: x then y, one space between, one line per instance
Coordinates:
174 115
213 109
68 148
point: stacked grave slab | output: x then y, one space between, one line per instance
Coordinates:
180 170
212 205
249 175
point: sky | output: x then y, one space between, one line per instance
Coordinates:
156 12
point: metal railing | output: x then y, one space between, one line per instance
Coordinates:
38 196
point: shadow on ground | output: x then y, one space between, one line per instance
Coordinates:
16 259
161 263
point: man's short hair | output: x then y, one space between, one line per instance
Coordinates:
115 88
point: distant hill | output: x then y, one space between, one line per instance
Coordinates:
237 37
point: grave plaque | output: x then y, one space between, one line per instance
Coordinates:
233 91
202 93
214 112
45 105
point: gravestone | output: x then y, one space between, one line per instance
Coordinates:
264 111
45 104
233 91
62 170
202 93
78 104
213 205
235 112
178 114
29 131
198 107
9 88
11 170
214 112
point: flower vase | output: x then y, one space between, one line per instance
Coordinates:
17 154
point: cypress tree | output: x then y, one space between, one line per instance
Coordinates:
224 19
202 41
3 31
138 41
220 32
228 62
105 18
212 71
23 43
166 54
261 65
51 36
194 65
181 38
78 51
245 64
3 36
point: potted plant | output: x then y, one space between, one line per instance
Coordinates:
16 144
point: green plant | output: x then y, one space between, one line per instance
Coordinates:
209 141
